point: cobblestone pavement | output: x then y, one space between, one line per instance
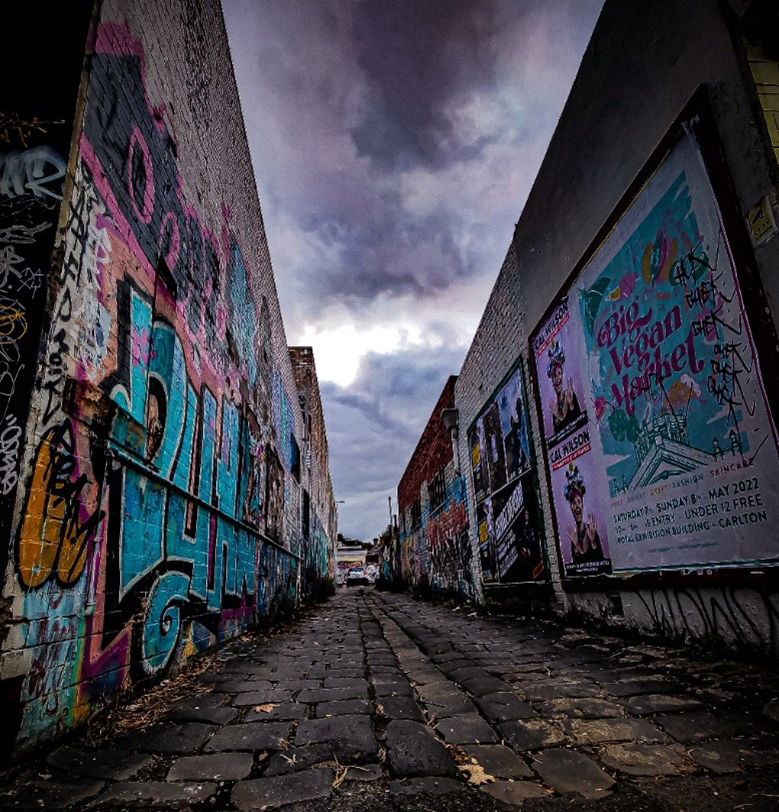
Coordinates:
382 702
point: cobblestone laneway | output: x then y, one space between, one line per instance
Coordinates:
381 702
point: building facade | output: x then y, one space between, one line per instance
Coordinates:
433 552
164 487
620 392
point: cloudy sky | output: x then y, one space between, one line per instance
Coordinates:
394 144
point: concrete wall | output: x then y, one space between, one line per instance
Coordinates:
160 484
644 63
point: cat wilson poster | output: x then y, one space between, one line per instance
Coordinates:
660 445
503 484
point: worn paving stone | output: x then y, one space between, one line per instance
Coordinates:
600 731
242 686
504 707
432 645
429 786
166 737
116 765
394 689
449 668
530 734
400 707
580 708
637 687
270 793
263 697
312 695
731 756
211 716
281 675
349 737
49 794
212 700
701 725
466 730
213 767
469 672
364 772
567 771
514 792
645 759
388 670
561 690
344 673
295 759
423 676
346 682
437 691
498 760
453 705
295 685
249 736
344 707
447 657
479 686
145 793
272 712
413 750
659 703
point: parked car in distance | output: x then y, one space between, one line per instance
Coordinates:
357 576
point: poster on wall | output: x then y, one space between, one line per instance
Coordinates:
506 511
660 445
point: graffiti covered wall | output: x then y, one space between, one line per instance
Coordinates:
433 549
36 120
160 508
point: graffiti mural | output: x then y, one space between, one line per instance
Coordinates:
31 186
162 509
431 550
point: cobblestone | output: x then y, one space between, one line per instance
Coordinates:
381 697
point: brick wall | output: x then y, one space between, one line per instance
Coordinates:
501 338
435 553
159 507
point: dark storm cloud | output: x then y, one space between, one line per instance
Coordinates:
395 254
419 58
394 143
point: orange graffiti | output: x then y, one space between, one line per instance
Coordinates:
13 324
53 535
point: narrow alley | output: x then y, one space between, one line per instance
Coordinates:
382 702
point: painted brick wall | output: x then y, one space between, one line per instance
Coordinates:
435 553
159 506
